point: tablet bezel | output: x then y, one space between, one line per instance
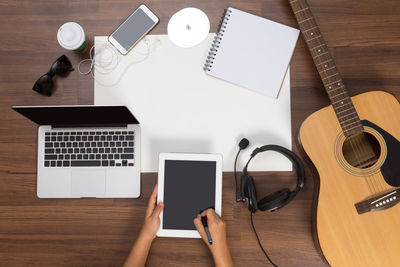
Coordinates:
217 158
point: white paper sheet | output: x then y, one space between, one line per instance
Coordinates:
253 52
182 109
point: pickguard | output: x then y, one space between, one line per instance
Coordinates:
390 169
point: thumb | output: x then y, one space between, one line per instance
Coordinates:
158 209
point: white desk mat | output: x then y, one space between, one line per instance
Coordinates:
182 109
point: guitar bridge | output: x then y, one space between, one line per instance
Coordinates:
380 202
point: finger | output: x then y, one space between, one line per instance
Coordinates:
158 209
152 202
200 228
205 211
211 215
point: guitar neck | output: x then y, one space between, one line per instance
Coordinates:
333 83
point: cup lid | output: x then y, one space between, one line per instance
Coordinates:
70 35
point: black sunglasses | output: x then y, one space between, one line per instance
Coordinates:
44 84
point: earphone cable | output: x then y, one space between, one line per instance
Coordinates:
106 67
258 240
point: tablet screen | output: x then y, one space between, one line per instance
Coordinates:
189 187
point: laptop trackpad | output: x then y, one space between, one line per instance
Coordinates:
88 183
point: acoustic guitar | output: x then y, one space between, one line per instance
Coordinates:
354 145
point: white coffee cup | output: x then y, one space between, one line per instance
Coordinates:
71 36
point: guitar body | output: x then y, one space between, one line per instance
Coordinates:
346 237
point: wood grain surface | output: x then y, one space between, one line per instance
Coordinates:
364 37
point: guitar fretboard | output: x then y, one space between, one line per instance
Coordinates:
333 83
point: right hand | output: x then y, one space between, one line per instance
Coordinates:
217 228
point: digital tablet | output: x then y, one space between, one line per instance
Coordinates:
187 184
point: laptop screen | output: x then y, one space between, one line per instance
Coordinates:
77 116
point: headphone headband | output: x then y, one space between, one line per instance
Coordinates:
282 197
288 154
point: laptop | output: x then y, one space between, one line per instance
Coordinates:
86 151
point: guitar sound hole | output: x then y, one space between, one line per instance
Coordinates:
362 150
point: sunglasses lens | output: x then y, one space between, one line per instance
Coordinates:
44 85
61 66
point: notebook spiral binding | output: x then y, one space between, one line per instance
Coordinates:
217 40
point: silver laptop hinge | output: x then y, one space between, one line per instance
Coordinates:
88 128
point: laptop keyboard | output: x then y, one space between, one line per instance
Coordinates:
89 149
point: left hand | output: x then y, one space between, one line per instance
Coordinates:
152 218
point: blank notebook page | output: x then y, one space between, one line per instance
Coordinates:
252 52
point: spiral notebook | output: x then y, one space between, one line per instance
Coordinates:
251 52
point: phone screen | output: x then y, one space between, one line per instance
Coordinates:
133 29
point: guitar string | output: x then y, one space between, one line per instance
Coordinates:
320 44
380 178
357 156
354 147
358 151
377 178
364 155
374 177
380 181
383 182
352 144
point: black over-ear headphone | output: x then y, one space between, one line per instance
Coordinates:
276 200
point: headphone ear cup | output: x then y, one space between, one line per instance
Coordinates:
251 194
274 201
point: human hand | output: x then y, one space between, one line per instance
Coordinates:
217 227
152 217
142 245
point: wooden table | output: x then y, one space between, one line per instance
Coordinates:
364 37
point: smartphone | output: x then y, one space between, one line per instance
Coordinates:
129 33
